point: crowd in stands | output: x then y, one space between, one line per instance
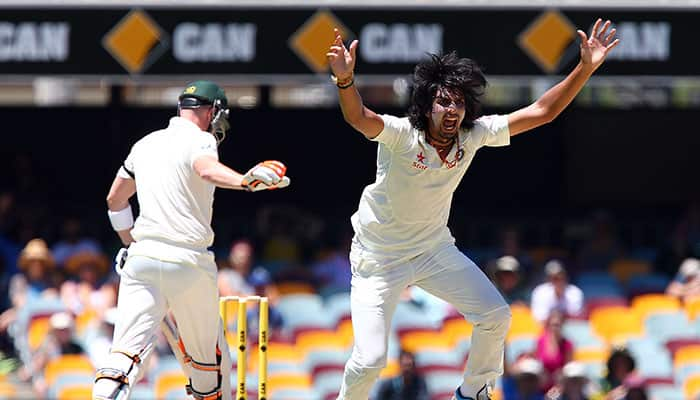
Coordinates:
582 327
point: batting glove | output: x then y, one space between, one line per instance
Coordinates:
266 175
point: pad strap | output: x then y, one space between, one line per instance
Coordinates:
113 374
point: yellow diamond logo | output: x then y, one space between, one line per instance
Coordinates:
312 41
136 41
548 40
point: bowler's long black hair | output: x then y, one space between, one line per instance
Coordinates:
449 72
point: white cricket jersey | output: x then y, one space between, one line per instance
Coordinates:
405 212
174 223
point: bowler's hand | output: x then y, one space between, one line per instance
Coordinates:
340 59
596 48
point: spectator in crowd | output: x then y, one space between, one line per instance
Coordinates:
72 241
505 273
233 281
59 342
524 381
332 272
553 349
602 247
686 284
572 384
33 281
409 385
98 346
556 293
89 292
621 370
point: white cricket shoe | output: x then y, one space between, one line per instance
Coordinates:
483 394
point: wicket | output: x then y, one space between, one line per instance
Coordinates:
241 338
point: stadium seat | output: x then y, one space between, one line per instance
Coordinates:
683 373
414 341
600 302
592 355
595 278
324 358
168 383
692 308
338 306
142 392
541 255
519 346
436 359
328 383
457 329
616 324
289 381
38 330
580 334
523 324
69 380
304 311
665 392
666 327
674 345
687 355
601 290
392 368
295 287
296 394
691 387
321 339
409 316
443 381
67 364
81 391
652 283
654 303
623 269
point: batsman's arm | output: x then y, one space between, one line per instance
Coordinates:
555 100
210 169
342 63
119 209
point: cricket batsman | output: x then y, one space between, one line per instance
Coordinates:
401 234
168 269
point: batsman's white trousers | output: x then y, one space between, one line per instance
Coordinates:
148 289
445 273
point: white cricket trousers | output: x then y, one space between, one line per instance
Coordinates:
148 289
445 273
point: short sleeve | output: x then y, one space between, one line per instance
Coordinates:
127 170
205 145
492 130
396 134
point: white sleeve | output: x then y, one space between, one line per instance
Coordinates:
205 145
127 170
574 304
540 305
492 130
396 134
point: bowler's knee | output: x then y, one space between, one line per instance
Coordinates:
496 321
370 358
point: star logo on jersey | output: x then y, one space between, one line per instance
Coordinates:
421 158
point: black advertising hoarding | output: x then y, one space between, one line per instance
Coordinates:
161 42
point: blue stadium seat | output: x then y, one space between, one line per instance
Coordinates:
580 334
681 374
338 306
601 290
303 310
296 394
142 392
652 283
70 379
315 358
515 348
669 326
595 278
447 358
328 382
665 392
410 316
443 381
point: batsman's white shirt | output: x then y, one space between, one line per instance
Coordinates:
174 223
405 212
